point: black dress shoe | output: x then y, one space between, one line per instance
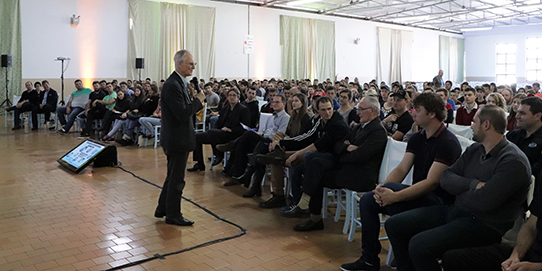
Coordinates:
276 157
181 221
217 161
159 214
274 202
16 128
231 182
255 190
226 147
246 177
196 167
310 225
295 211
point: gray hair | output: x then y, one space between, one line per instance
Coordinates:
180 56
373 102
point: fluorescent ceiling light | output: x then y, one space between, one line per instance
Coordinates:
300 2
476 29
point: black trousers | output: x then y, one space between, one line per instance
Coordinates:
94 113
170 197
244 145
17 112
46 109
213 137
487 258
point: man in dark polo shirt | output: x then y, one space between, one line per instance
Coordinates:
399 121
490 183
528 136
430 151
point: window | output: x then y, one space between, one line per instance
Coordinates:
533 61
505 66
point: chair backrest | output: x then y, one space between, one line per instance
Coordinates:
464 142
462 130
261 102
530 195
393 154
263 121
16 99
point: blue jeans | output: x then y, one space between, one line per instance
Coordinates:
370 220
421 236
148 123
61 111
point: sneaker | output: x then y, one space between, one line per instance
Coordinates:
274 202
286 208
51 124
361 265
16 128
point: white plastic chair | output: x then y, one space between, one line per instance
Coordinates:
462 130
157 135
202 123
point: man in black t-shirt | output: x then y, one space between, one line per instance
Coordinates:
399 121
430 151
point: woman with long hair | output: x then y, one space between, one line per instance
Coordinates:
513 111
137 100
496 99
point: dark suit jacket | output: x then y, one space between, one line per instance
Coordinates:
359 168
177 132
52 97
234 118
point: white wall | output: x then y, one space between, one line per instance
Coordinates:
480 50
98 46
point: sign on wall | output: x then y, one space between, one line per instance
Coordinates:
248 47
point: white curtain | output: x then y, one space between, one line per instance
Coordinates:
159 30
308 48
394 55
451 58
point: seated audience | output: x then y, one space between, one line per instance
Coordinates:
430 151
354 164
98 108
76 104
148 123
398 122
146 109
255 143
443 93
48 99
29 99
228 127
346 111
480 95
266 108
497 100
331 92
486 202
253 106
513 111
466 112
121 117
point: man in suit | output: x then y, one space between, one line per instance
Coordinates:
177 136
354 164
48 99
438 82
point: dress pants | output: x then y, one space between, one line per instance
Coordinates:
277 176
94 113
46 110
170 197
421 236
109 118
370 220
213 137
488 258
17 112
244 145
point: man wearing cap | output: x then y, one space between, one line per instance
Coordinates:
398 122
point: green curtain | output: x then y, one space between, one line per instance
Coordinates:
161 29
308 48
11 44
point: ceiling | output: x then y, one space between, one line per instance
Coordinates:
447 15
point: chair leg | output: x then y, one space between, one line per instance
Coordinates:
348 211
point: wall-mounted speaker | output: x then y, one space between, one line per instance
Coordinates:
140 63
6 61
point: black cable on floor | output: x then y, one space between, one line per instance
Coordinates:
242 232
